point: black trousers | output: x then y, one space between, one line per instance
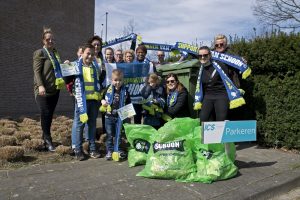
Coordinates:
47 106
214 109
138 110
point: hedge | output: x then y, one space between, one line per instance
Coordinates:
273 91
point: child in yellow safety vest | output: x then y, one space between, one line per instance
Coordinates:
87 100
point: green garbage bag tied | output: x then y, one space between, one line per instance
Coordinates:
170 155
212 162
138 137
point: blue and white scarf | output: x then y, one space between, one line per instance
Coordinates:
109 97
234 94
131 36
80 89
172 98
134 77
233 61
158 47
55 60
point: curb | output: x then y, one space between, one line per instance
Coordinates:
265 189
281 187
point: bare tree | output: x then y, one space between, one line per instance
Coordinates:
280 13
127 29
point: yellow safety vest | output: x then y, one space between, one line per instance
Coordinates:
88 78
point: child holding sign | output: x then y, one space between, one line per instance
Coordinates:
116 96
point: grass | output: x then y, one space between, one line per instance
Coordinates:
11 153
21 142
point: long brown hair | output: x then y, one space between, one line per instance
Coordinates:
179 87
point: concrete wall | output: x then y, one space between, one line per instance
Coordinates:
21 25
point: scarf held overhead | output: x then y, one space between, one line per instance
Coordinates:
233 61
233 93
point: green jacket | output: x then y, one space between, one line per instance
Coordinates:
43 73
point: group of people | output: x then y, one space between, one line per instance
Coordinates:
163 99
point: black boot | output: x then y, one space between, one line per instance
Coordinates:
49 145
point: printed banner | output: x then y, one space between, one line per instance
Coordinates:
69 69
134 77
228 131
126 112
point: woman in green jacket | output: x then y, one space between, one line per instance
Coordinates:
47 83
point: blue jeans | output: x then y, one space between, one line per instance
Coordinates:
73 134
92 112
110 126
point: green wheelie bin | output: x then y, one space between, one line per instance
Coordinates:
187 72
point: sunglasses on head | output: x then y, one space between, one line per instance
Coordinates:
170 81
203 55
219 45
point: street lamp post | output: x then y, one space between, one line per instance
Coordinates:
106 27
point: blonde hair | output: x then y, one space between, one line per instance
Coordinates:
220 37
154 77
45 31
128 51
117 73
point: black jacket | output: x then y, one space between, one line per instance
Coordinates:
212 82
181 107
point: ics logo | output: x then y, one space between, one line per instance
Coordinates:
209 127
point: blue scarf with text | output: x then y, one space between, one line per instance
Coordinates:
55 60
234 94
80 89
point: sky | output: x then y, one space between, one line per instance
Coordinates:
171 21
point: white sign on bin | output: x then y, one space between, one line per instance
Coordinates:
228 131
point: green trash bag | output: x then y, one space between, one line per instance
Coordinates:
212 162
197 138
138 137
213 166
170 155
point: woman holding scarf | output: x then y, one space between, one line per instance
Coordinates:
177 97
216 92
47 83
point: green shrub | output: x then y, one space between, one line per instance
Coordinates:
272 54
272 92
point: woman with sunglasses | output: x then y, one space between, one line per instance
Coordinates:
220 42
221 46
177 97
215 102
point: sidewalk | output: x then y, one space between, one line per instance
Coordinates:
263 174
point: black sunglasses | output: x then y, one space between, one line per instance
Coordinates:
203 55
219 45
170 81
